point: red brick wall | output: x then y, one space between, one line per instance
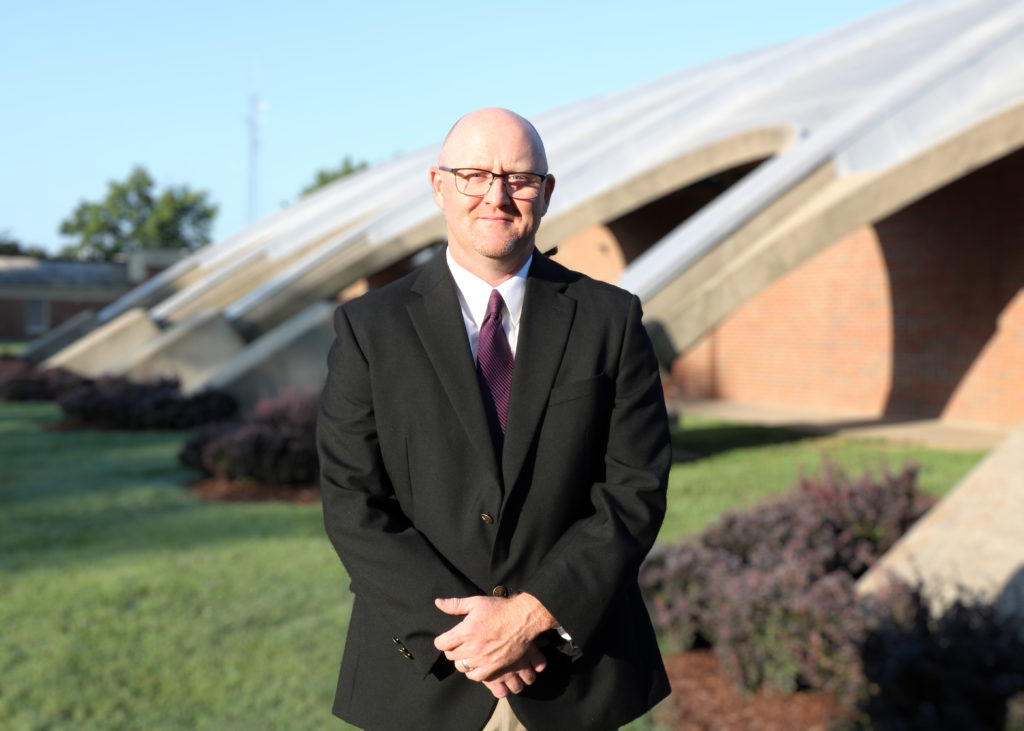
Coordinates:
12 314
819 337
62 310
12 318
921 315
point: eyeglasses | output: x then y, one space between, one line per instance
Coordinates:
476 183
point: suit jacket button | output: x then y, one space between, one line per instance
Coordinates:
487 518
499 591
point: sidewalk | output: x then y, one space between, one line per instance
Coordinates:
932 433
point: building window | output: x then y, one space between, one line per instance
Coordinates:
37 316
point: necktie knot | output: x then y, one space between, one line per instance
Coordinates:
495 304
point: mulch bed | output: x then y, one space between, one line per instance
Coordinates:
217 490
703 699
11 367
70 425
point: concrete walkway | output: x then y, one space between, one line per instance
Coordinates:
933 433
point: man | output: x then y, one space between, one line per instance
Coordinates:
494 452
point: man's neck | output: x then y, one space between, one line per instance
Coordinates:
492 271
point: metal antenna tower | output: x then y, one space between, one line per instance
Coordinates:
255 112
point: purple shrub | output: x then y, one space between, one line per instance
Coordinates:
275 443
772 589
783 628
27 383
832 523
117 403
191 454
676 581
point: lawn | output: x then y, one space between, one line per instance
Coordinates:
739 465
11 347
126 604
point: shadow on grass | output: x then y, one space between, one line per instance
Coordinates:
90 535
708 438
693 443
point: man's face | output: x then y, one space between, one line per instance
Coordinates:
495 226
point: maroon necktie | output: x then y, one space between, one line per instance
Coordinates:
494 358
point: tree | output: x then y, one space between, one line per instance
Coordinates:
134 216
10 246
328 175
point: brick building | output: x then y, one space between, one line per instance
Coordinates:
36 295
919 315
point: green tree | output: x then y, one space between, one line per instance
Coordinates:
329 175
133 216
10 246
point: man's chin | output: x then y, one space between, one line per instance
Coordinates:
505 250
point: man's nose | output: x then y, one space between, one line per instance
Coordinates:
497 193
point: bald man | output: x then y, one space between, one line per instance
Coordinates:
494 455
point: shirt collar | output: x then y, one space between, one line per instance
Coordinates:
475 292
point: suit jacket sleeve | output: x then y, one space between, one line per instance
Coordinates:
598 558
389 562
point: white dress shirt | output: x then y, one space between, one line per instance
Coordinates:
474 294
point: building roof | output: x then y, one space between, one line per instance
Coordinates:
861 102
27 271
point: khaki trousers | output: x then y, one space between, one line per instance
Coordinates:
503 719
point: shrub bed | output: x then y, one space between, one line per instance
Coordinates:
117 403
11 366
274 444
21 381
772 591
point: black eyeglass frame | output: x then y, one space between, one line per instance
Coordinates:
503 176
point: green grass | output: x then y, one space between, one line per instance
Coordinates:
127 604
11 347
741 465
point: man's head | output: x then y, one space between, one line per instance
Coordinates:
492 232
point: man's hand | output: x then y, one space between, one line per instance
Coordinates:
519 675
494 634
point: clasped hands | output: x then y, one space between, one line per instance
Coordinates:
496 640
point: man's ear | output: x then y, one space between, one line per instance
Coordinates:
435 186
549 187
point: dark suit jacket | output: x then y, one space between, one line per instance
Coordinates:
418 506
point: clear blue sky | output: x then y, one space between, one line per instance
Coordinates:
90 89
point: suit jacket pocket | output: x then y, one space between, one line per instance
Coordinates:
587 388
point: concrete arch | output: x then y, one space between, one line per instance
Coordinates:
812 215
627 220
853 124
668 176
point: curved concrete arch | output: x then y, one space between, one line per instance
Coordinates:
715 156
810 218
324 273
833 119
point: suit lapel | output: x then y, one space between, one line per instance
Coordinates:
543 333
436 316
